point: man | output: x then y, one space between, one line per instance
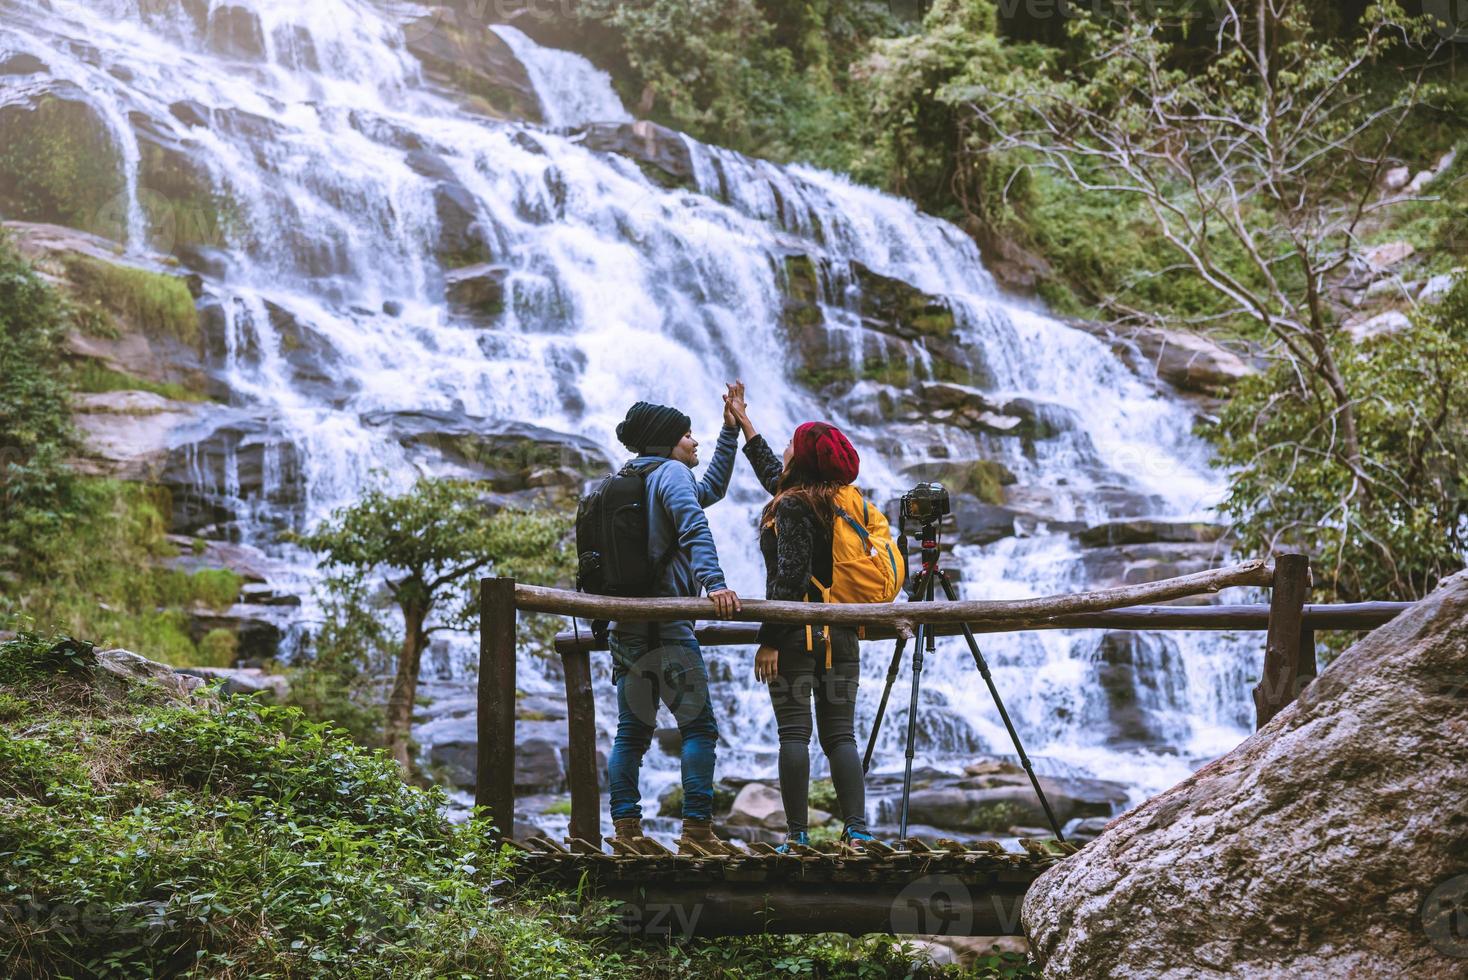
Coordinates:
653 662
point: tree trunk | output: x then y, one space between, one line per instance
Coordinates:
405 687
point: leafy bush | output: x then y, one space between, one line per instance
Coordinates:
206 838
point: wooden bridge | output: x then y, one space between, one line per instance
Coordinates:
948 888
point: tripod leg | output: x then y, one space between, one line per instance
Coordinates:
866 762
912 708
982 664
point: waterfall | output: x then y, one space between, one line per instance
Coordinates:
345 172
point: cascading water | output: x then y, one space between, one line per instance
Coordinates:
333 153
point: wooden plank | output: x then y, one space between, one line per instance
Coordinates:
579 845
581 746
1277 685
494 788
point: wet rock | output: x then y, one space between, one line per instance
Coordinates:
1139 677
538 766
463 238
1188 361
758 806
22 64
251 564
129 434
1330 843
260 594
1081 830
235 33
478 290
243 680
237 464
984 479
660 152
506 453
1388 254
1141 531
473 64
1137 564
994 803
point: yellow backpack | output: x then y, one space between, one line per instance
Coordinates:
866 564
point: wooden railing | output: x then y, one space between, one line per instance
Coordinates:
1289 663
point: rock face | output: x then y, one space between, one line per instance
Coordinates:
1188 361
1332 843
660 152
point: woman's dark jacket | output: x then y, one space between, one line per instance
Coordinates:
797 547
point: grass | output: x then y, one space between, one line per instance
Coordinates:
146 834
94 377
156 303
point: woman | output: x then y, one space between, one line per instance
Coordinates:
798 663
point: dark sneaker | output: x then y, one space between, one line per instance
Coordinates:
854 838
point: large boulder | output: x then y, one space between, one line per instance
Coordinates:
1331 843
473 64
659 152
513 456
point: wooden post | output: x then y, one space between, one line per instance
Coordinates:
494 786
581 749
1276 687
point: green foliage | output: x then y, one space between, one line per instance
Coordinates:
57 163
152 837
1404 531
218 648
156 303
38 494
429 540
352 646
102 576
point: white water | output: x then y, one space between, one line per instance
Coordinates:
620 290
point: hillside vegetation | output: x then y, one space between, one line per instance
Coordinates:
146 830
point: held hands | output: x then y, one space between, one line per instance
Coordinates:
726 602
766 664
736 409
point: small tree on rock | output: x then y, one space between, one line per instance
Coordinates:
427 546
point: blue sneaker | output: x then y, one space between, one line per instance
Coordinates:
854 838
801 838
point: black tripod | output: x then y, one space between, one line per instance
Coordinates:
922 591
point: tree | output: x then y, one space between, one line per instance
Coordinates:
427 545
1259 166
1412 398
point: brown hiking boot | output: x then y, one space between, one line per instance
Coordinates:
700 832
627 828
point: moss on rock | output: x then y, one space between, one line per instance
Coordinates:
57 163
153 302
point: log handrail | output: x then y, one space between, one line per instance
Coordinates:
1316 616
900 616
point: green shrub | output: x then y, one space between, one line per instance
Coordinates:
93 376
218 648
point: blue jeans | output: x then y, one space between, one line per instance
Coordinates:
671 673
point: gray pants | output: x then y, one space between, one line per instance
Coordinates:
803 676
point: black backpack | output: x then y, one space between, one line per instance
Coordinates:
612 537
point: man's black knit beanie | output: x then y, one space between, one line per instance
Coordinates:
653 430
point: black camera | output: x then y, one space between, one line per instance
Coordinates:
926 503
